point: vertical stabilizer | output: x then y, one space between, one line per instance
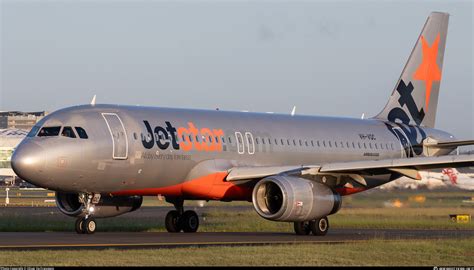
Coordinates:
415 97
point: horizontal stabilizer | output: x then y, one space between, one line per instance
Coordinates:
450 144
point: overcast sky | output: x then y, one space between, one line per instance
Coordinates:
338 58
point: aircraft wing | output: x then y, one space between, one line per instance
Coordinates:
355 169
419 163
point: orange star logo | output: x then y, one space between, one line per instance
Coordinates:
428 70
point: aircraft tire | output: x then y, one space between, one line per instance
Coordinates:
320 226
302 228
172 222
78 225
89 226
190 221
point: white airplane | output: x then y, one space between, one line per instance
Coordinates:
452 177
448 177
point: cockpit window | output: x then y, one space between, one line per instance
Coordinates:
68 132
33 131
49 131
82 133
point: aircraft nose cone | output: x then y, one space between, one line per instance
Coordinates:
28 162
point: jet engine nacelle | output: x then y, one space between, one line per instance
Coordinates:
68 203
288 198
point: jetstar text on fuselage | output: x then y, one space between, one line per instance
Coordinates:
183 138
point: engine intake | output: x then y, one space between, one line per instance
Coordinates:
68 204
288 198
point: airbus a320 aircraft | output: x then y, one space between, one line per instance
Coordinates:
101 159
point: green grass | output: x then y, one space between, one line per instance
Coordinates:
246 220
374 252
371 209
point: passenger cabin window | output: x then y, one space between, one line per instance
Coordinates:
81 132
68 132
49 131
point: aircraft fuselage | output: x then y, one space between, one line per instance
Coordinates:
147 151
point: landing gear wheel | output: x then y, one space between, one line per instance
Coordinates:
79 223
302 228
89 226
172 222
86 224
320 226
189 221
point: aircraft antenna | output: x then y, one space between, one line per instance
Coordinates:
93 100
293 111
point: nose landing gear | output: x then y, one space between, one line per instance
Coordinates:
179 220
86 224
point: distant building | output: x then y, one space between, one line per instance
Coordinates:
20 120
9 139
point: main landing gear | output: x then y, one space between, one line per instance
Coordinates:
318 227
86 224
179 220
